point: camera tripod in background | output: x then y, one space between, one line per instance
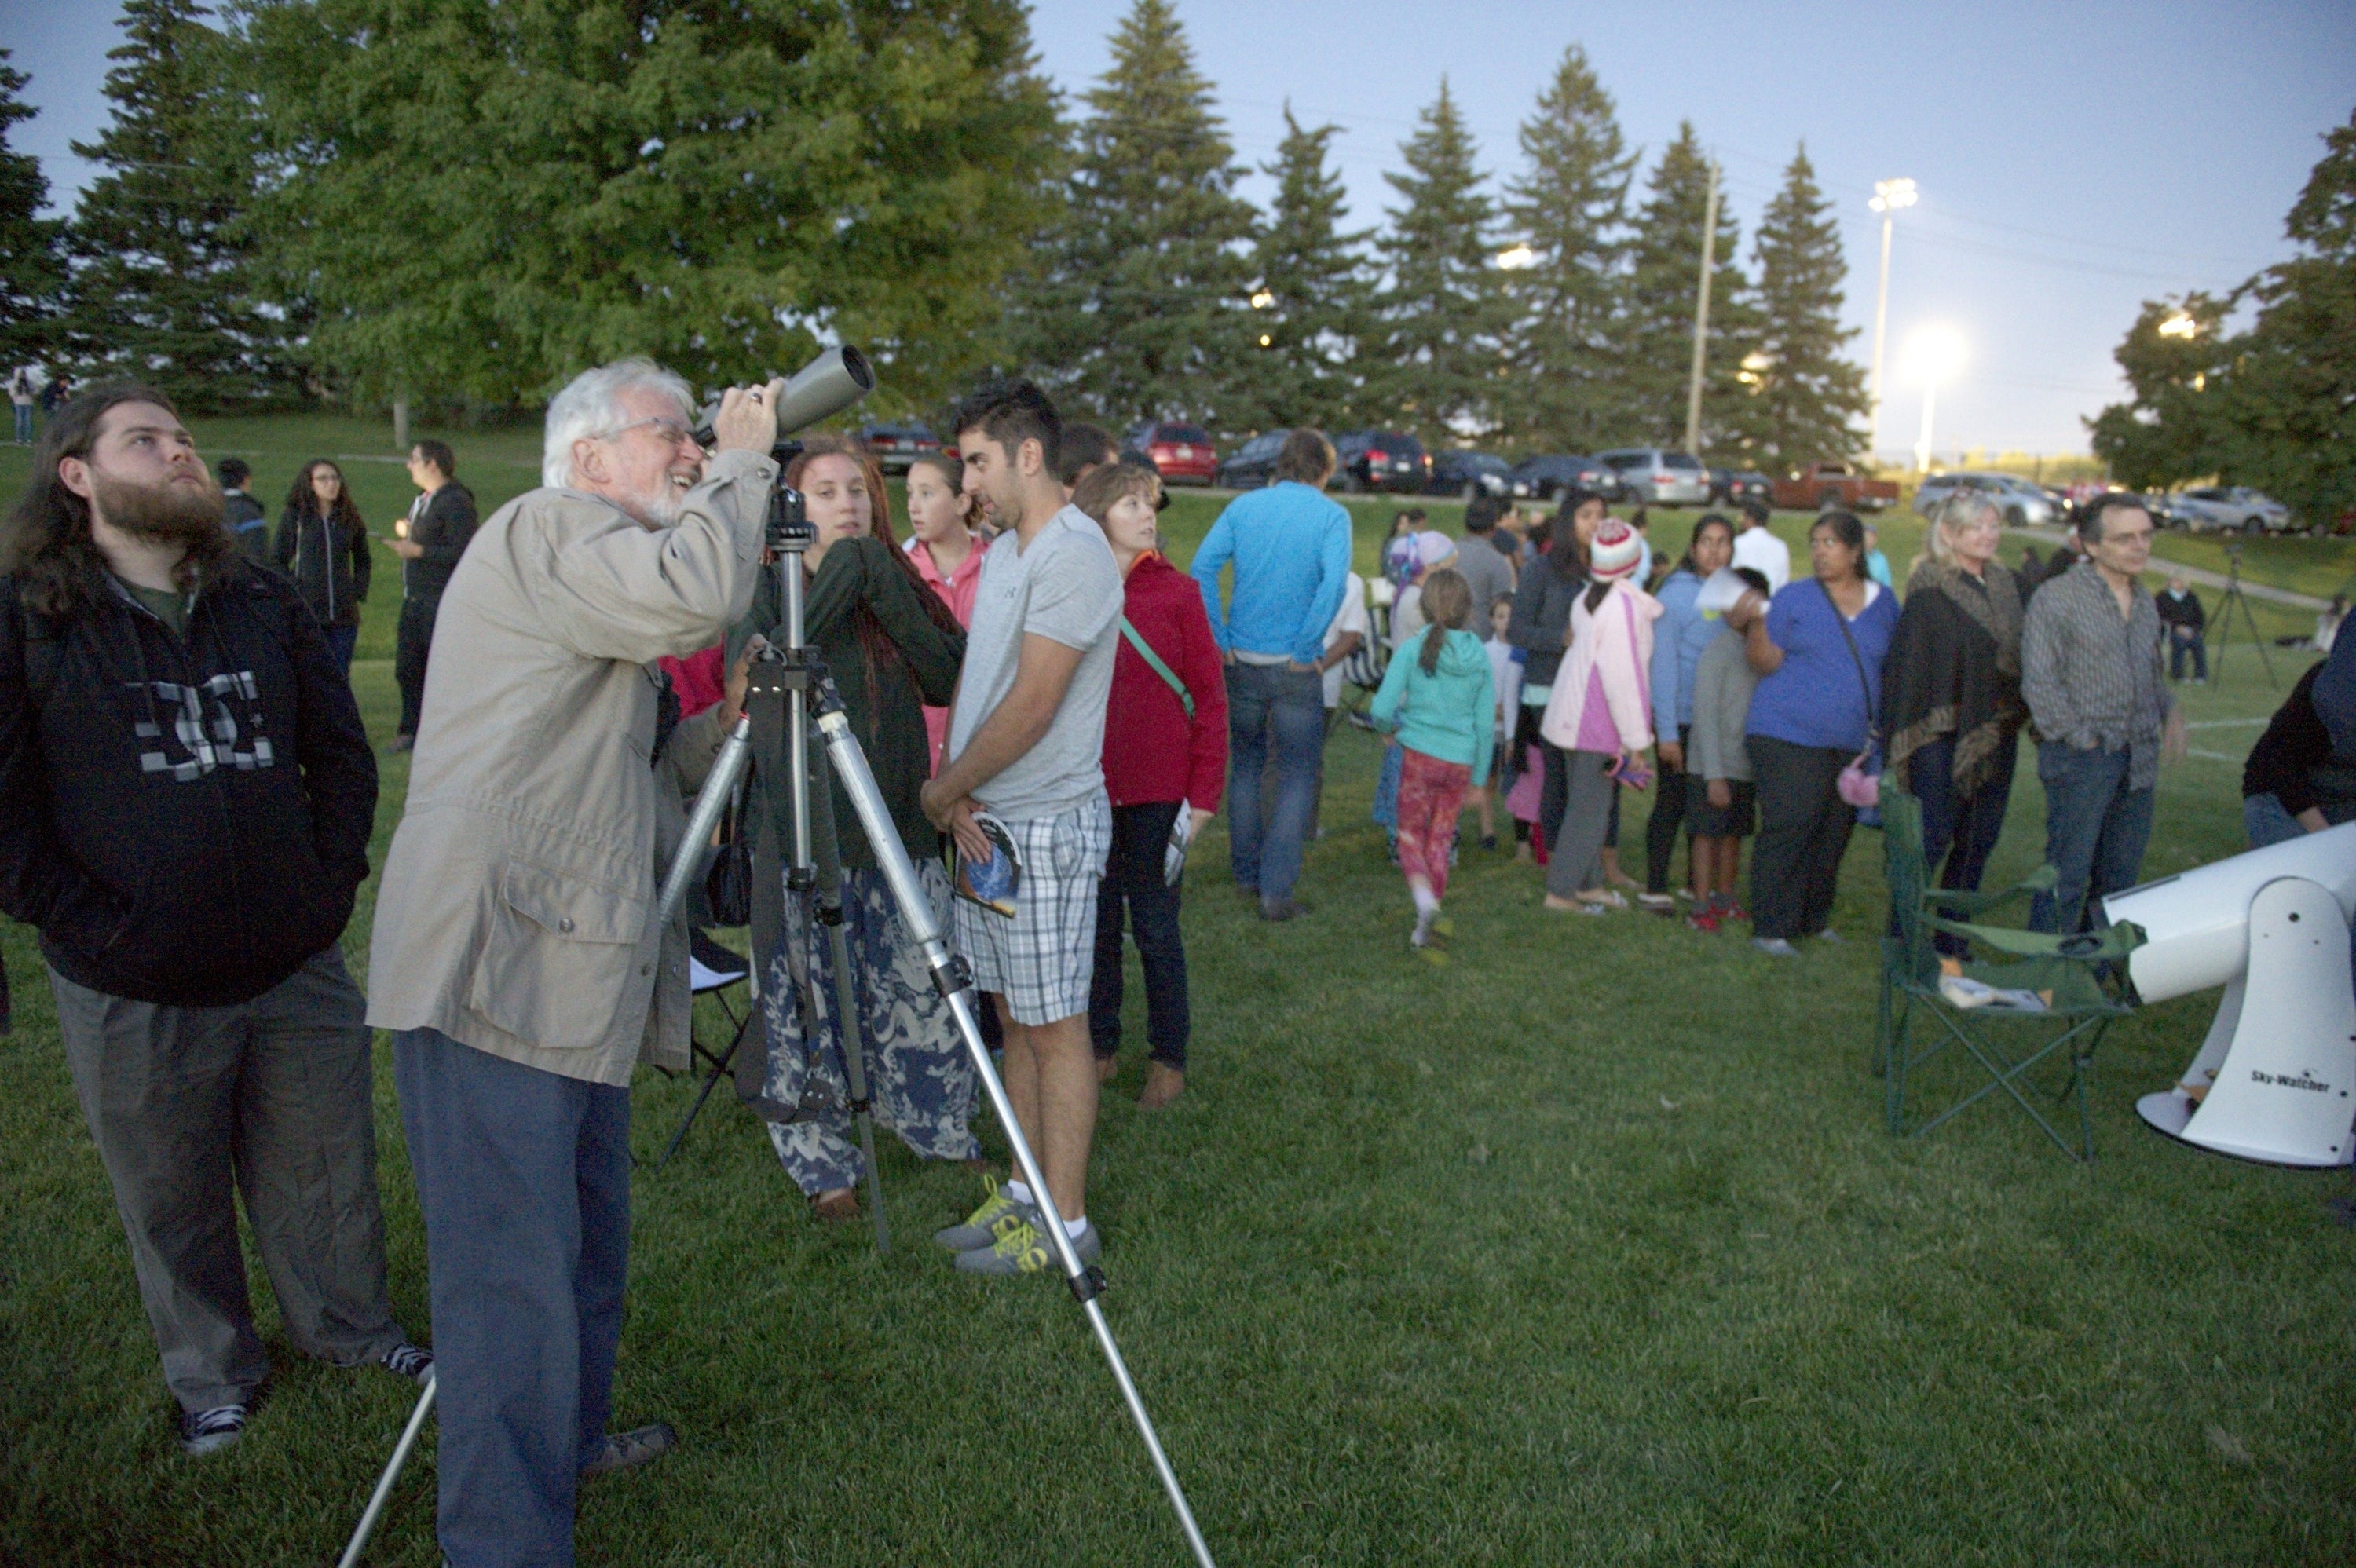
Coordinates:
2235 599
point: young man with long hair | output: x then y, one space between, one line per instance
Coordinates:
186 797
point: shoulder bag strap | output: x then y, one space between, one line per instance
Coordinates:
1873 736
1154 662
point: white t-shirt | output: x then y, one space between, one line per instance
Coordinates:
1349 618
1764 553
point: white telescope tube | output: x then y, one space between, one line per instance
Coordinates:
2197 925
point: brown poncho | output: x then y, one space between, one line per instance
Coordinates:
1953 668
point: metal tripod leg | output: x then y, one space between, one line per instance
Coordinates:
384 1485
950 977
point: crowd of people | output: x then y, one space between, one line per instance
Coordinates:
186 795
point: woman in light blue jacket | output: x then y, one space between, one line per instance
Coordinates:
1695 597
1439 698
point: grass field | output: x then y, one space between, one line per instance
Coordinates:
1588 1249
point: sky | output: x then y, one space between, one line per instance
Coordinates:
2073 160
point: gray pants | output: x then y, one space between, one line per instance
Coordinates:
1576 862
271 1098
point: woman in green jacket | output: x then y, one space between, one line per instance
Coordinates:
892 648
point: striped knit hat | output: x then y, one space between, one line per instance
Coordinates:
1616 553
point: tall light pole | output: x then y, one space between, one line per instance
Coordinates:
1701 315
1888 196
1936 354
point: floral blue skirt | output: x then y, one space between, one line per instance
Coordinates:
918 1074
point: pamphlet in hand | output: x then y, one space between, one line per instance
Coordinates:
990 883
1173 858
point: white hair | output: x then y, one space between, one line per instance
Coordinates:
591 406
1950 517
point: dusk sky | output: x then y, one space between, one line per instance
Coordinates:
2073 160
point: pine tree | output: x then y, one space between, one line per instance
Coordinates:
161 287
1570 208
1441 371
483 199
32 258
1141 310
1312 307
1807 397
1655 333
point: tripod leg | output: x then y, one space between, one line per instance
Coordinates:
948 975
710 1082
827 850
2250 619
384 1485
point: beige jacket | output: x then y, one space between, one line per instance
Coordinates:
516 910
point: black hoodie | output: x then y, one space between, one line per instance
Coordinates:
185 820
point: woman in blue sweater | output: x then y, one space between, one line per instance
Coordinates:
1698 592
1819 650
1440 697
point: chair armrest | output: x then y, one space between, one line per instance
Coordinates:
2108 945
2040 881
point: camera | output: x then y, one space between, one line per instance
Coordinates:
820 389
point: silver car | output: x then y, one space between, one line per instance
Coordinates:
2021 504
2227 509
1658 477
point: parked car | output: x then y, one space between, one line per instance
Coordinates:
1381 460
1823 486
1468 473
1545 479
1181 453
2021 504
1732 486
1658 477
2225 508
896 445
1253 464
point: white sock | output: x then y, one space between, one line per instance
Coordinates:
1078 1228
1019 1192
1427 903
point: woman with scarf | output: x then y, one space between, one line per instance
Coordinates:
1950 704
891 647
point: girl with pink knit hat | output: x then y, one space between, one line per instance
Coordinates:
1600 714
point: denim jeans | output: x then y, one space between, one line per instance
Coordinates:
2267 822
24 424
2096 830
524 1179
342 640
1276 716
1133 881
2180 647
1961 831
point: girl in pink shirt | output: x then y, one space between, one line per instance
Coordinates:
946 552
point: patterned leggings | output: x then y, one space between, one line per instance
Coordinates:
918 1071
1430 794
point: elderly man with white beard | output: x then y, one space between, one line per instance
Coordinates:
515 955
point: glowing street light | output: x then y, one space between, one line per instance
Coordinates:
1517 258
1263 300
1888 196
2181 324
1934 354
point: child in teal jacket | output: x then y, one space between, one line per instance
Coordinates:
1439 698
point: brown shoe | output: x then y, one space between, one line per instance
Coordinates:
1108 1068
1163 1084
836 1206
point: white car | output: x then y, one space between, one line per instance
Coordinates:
2019 502
1659 477
2227 509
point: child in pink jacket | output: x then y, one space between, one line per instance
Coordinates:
1600 713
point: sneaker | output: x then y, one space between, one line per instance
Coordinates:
1830 934
1734 912
1489 841
1774 947
1657 903
1684 895
402 744
407 1360
628 1450
980 1227
1282 910
210 1431
1023 1248
1703 920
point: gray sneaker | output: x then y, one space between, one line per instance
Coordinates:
210 1431
1024 1248
1774 947
980 1227
628 1450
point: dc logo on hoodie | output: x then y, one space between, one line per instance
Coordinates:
212 740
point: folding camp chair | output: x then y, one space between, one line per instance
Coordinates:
712 971
2078 979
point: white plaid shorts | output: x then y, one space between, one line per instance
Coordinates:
1041 957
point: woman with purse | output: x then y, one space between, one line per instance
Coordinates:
1819 650
1165 761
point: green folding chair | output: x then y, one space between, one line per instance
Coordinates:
2082 974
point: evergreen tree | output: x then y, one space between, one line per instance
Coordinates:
1312 307
163 287
1140 311
32 258
1655 335
1570 208
1441 371
1807 397
482 199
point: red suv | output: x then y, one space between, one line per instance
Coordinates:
1181 453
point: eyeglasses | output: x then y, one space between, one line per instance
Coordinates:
670 431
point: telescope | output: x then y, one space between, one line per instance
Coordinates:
818 391
2273 1080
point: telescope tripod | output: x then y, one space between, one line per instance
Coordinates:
790 690
2235 598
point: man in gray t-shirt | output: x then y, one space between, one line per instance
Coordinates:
1026 748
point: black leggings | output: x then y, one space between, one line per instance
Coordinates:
1803 828
1661 832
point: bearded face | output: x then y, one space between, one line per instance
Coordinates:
184 508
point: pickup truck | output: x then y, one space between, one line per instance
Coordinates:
1821 486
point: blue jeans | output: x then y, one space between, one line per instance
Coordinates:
2096 830
1275 716
1958 830
2267 823
2180 647
524 1178
24 424
341 642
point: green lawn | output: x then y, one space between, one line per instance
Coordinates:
1588 1249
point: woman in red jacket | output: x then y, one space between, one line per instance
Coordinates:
1166 759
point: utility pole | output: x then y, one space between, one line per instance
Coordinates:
400 420
1888 196
1701 316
